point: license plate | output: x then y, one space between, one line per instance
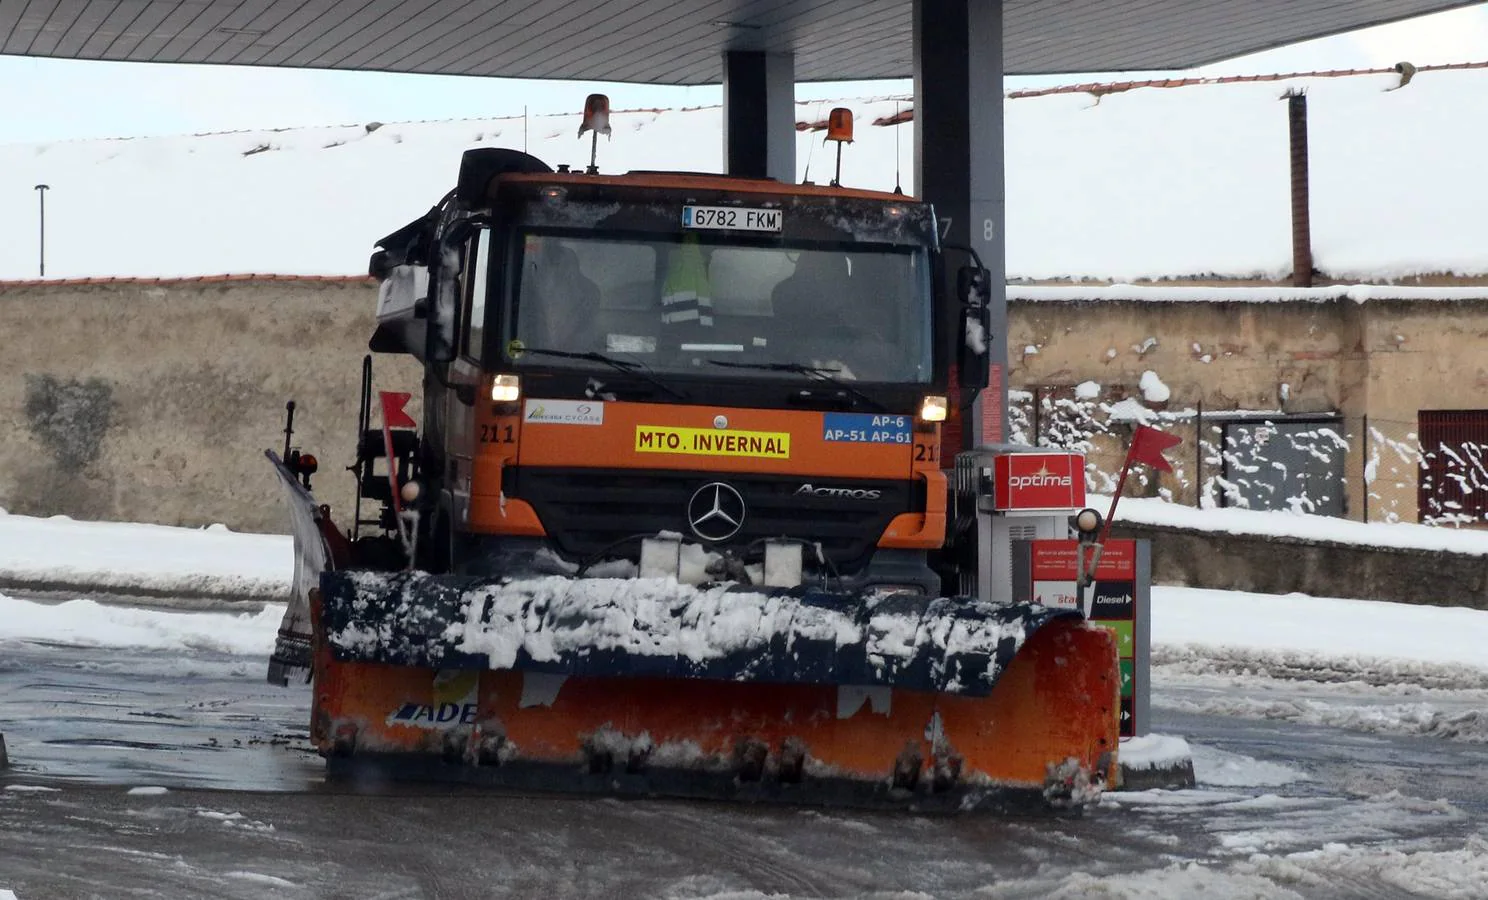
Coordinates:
731 218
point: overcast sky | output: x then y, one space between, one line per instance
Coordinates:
46 99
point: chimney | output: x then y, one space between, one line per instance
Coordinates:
1301 216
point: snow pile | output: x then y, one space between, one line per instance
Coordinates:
1272 846
1154 751
234 820
61 554
1153 389
1328 627
272 881
1129 410
1422 668
1220 768
1421 719
1448 874
1394 675
1176 882
89 624
1400 535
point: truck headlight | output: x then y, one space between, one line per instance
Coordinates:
506 388
933 409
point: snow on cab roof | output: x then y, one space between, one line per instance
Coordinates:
1118 182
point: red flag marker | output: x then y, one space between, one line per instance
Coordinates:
1148 445
393 415
1147 448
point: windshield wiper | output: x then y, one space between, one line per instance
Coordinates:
820 374
629 367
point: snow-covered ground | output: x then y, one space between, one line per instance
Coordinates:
216 561
1427 665
1391 670
113 556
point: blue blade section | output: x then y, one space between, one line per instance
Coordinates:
655 628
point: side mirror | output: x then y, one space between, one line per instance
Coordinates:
974 286
442 305
973 359
460 232
974 362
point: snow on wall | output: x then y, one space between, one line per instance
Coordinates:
312 201
1300 526
1167 293
1148 183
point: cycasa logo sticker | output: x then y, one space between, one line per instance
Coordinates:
563 412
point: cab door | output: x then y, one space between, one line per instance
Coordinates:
465 375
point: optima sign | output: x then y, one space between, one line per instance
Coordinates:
1039 481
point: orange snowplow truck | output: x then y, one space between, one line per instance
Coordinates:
679 517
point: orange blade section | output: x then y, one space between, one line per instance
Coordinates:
1056 701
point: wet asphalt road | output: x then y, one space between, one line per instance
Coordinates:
247 813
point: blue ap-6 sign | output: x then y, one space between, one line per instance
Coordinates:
862 428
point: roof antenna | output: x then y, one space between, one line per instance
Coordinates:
898 181
839 129
810 152
597 120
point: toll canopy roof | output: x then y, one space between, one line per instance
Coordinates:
663 41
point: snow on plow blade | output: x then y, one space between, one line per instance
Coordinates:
648 686
660 628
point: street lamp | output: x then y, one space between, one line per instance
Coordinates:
41 190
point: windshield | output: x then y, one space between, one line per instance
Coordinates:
674 305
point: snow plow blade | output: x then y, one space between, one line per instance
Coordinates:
310 525
652 687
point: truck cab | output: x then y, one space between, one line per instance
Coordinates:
671 374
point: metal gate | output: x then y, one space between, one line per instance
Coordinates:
1453 483
1291 464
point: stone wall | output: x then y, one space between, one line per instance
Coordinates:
1272 565
1377 364
153 401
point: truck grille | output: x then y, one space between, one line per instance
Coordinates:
588 511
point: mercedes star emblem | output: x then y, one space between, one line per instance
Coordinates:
715 512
